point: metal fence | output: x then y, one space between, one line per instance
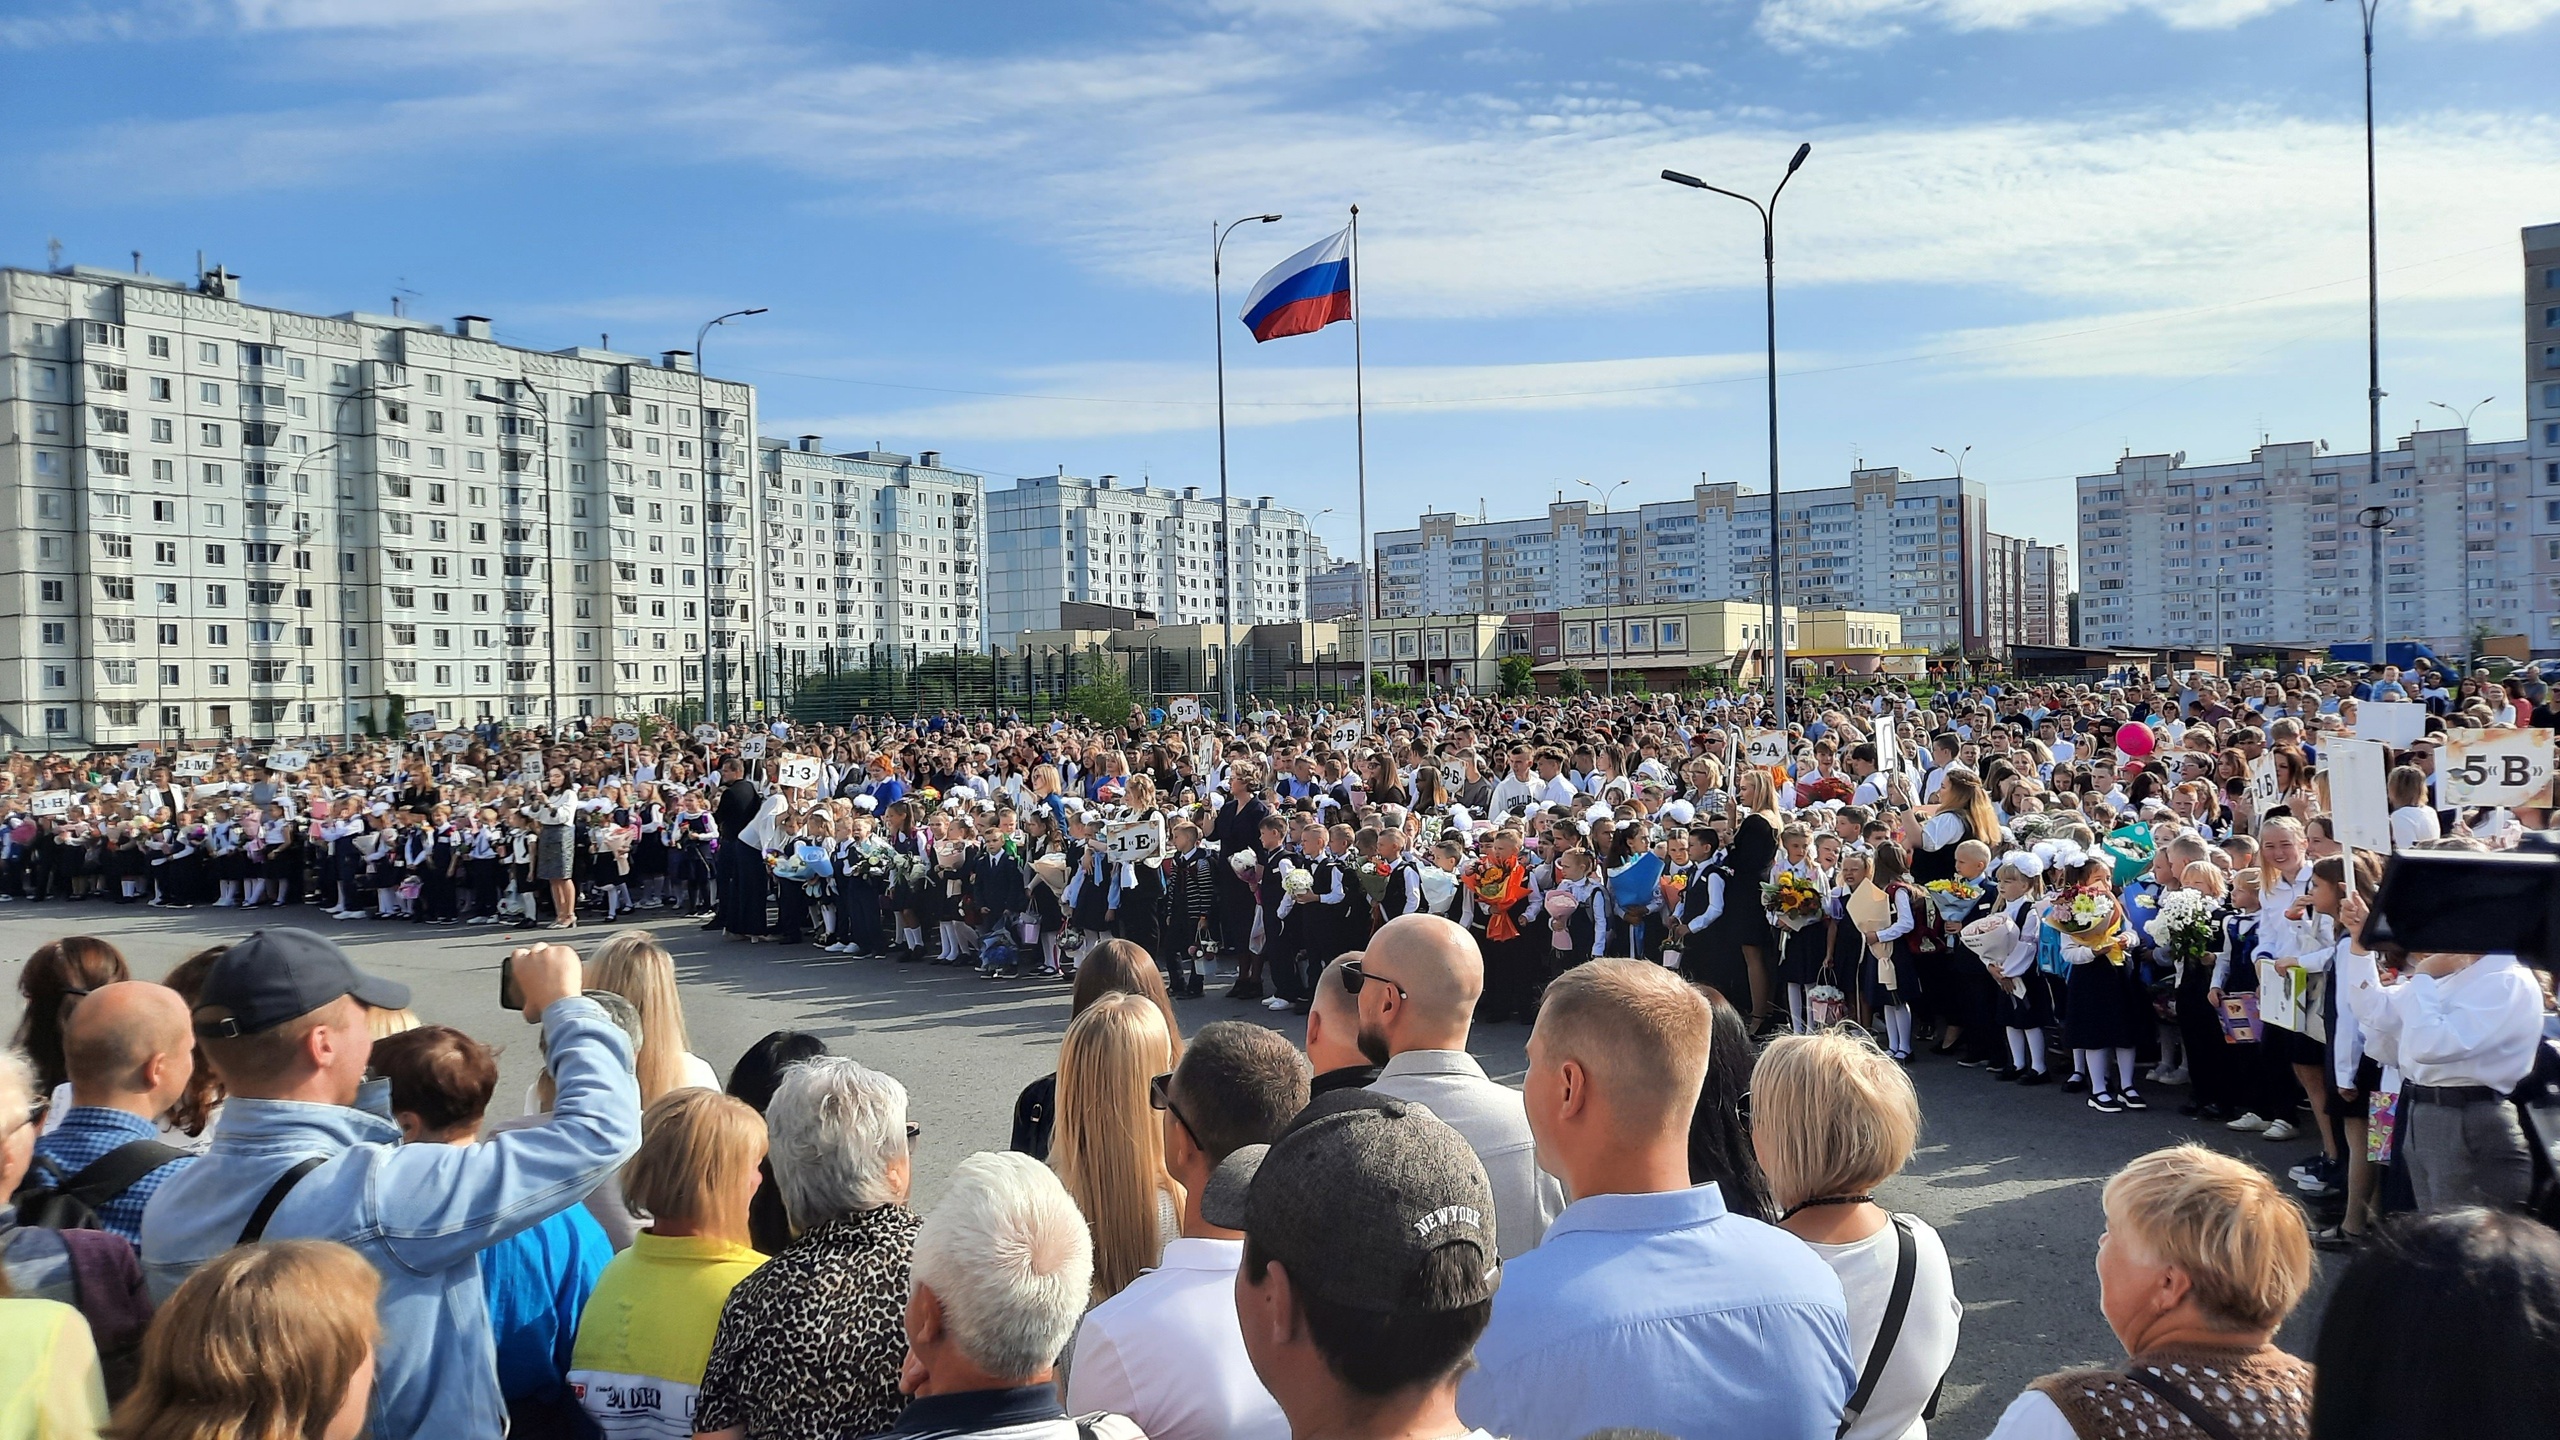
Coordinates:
824 689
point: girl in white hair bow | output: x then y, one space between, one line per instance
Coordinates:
2026 992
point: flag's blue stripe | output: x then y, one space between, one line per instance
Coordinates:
1331 278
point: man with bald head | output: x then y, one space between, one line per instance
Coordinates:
1333 1034
1417 986
130 1052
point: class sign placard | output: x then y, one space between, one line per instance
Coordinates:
2507 767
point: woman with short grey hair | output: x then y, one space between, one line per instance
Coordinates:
810 1344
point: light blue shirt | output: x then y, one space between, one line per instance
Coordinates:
420 1213
1663 1312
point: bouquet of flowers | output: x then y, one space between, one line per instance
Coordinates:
2186 925
1952 896
1242 862
1560 906
1374 875
926 796
1297 884
1498 886
1674 887
1794 900
1438 888
2092 926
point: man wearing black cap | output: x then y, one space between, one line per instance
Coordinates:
307 1150
1369 1266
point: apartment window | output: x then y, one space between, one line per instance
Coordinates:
99 332
57 718
158 345
209 433
216 554
208 353
167 634
217 634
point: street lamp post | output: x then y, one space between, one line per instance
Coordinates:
525 390
2463 415
2373 328
1769 262
709 479
2375 519
1609 595
1226 539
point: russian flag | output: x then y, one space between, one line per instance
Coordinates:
1306 292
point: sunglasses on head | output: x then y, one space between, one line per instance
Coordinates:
1354 975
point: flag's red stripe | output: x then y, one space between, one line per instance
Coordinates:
1304 316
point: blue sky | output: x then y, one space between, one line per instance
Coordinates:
2046 229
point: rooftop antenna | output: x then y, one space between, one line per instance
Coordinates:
53 251
400 293
137 262
604 340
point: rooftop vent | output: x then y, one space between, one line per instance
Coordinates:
812 444
676 360
471 327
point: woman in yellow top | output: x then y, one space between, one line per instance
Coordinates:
647 1330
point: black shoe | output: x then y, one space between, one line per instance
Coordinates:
1241 990
1971 1063
714 925
2035 1077
2077 1084
2006 1072
2132 1099
2106 1104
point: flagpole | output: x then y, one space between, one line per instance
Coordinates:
1360 450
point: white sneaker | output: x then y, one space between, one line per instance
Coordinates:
2250 1121
2280 1130
1275 1003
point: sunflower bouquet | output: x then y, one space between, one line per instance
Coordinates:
1794 900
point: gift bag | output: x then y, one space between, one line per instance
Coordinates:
2382 1125
1824 1005
2240 1022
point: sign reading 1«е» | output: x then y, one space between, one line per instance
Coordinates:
1135 841
1765 748
2508 767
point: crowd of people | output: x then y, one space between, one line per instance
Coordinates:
1729 942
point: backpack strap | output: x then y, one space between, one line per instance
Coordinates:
99 1182
1906 1269
266 1211
2185 1404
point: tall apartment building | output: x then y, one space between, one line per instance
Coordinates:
2270 551
2542 425
874 555
232 519
1333 591
1052 539
2027 592
1886 541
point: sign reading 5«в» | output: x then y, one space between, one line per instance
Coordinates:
2508 767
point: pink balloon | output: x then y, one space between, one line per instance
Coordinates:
2134 740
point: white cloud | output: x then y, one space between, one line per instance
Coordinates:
1085 401
1874 22
2488 17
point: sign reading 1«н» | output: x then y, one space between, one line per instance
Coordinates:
2508 767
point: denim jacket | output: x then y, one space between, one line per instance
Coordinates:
420 1213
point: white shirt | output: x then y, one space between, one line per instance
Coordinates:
2412 826
2033 1416
2477 1026
1169 1353
1928 1340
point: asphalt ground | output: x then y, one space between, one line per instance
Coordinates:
2009 1177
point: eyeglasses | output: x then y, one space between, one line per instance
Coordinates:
915 1132
1354 975
1160 1096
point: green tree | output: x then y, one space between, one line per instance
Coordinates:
1519 675
1105 699
1570 681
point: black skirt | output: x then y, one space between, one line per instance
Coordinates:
2101 1014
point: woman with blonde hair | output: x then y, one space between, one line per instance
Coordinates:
1832 1118
636 967
2202 1260
645 1336
268 1340
1109 1146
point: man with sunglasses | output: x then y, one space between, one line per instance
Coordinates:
1416 987
1167 1351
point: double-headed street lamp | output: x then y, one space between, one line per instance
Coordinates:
1769 261
2463 415
1608 596
1226 540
